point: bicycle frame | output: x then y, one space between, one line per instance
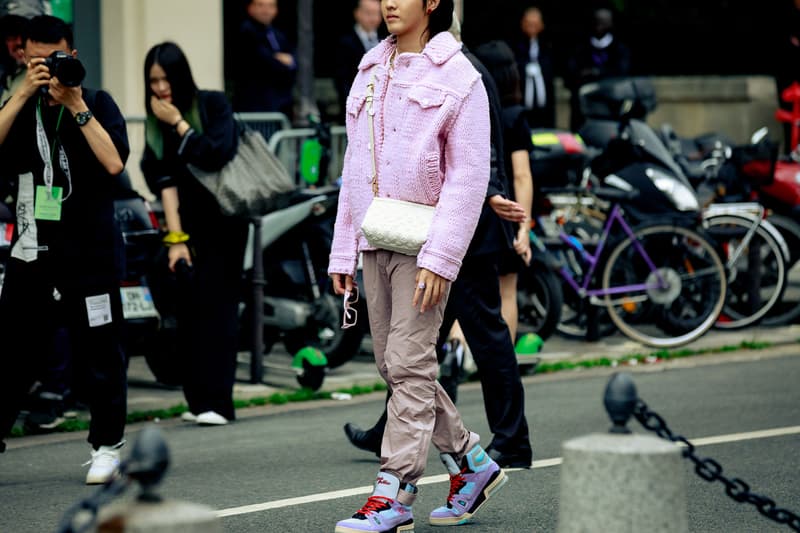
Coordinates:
593 260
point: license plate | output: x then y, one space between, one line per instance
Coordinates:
137 302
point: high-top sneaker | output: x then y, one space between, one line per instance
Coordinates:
104 464
471 485
382 512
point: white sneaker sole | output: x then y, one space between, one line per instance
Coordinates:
488 492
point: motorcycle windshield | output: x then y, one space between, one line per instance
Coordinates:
644 136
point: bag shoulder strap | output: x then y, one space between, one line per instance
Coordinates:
371 119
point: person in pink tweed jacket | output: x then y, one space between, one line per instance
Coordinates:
432 146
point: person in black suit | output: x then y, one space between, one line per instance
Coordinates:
475 302
353 45
266 66
534 57
599 56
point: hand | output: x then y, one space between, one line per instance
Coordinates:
507 209
284 58
522 244
165 111
430 287
341 283
176 253
69 97
37 76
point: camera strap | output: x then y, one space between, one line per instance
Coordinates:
47 154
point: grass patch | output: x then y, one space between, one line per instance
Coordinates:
305 394
548 367
278 398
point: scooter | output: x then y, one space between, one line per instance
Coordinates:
299 307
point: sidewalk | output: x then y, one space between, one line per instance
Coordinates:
145 394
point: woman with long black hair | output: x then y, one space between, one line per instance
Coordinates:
186 125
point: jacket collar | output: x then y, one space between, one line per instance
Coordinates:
442 47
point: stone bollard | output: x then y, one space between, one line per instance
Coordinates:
149 513
622 482
168 516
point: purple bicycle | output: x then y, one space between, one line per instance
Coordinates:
662 283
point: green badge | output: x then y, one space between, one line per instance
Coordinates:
48 204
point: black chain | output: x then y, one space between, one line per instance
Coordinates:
711 471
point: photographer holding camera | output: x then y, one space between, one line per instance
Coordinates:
64 145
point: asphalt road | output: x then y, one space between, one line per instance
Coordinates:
290 463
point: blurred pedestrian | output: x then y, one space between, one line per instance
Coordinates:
265 67
66 146
598 56
536 63
474 302
186 125
12 62
353 45
432 141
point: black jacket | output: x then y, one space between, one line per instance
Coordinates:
492 234
262 83
542 117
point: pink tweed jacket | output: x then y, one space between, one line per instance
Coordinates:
432 147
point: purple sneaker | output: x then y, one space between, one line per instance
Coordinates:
379 514
471 485
382 512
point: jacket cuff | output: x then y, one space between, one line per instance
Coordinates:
444 266
343 265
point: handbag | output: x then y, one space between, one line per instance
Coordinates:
391 224
253 183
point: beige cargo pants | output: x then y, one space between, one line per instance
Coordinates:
404 340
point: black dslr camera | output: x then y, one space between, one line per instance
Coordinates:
67 69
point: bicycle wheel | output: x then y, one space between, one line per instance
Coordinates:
756 269
539 300
580 319
667 285
787 309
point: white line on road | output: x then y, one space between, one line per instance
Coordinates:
544 463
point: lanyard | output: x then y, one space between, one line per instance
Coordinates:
47 153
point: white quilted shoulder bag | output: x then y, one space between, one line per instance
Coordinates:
391 224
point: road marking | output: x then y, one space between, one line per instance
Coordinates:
429 480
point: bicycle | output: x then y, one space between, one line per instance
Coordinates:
663 283
756 255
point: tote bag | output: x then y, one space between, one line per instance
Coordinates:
251 184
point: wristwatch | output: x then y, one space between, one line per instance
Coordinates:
83 117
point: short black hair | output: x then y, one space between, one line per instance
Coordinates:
172 59
499 60
49 30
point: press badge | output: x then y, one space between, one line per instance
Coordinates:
48 203
99 310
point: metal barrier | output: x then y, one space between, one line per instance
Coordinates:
287 146
265 123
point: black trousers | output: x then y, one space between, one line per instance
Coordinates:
207 320
475 302
36 302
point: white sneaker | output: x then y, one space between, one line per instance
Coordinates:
210 418
189 416
104 464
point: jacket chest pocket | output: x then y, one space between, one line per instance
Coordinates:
428 98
